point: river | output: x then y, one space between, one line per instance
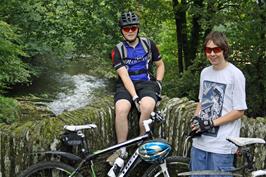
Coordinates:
64 90
77 92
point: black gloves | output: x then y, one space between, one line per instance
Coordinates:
201 125
136 102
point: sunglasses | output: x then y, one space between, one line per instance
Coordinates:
215 50
128 28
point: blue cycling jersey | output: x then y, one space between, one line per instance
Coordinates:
137 60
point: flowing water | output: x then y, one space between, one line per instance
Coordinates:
65 90
77 94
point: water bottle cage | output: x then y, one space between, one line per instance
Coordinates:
116 169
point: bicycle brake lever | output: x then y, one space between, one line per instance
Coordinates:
157 116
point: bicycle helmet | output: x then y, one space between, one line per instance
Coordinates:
154 151
128 18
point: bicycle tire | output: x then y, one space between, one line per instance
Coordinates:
175 165
49 169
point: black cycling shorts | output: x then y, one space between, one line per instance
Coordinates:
143 89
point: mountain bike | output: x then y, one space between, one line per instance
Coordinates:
245 146
165 166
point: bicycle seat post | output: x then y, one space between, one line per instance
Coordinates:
248 158
244 146
84 147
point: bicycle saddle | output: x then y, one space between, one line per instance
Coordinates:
240 141
79 127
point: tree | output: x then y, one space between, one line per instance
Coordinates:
244 24
12 68
60 28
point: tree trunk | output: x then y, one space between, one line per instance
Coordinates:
178 22
260 65
195 34
184 34
211 11
186 48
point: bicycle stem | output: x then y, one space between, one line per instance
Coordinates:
146 124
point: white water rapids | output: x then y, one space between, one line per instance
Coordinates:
78 96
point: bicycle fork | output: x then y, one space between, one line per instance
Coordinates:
164 169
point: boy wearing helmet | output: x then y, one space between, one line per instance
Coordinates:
133 59
222 103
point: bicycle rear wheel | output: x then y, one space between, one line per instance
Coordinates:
49 169
175 165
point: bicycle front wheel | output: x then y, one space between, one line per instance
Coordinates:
49 169
175 165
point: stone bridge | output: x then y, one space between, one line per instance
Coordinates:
40 133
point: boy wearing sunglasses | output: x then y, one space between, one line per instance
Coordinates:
133 60
222 102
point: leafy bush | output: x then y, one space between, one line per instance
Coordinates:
187 84
12 69
8 110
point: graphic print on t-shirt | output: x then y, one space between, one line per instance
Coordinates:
212 103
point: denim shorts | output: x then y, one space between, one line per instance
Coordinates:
202 160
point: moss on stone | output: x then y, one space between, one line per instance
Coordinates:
39 130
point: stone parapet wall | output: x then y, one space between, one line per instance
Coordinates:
18 140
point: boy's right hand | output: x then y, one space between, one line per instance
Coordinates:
201 125
136 101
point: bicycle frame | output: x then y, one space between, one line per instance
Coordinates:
87 158
132 162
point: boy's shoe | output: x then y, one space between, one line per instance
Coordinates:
118 153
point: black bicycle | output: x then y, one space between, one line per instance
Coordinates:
164 166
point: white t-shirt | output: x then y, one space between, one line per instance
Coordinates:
221 91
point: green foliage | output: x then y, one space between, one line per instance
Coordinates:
175 84
247 36
9 111
43 25
153 19
57 28
187 83
244 25
12 69
167 47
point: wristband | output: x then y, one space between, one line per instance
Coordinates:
135 97
160 82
